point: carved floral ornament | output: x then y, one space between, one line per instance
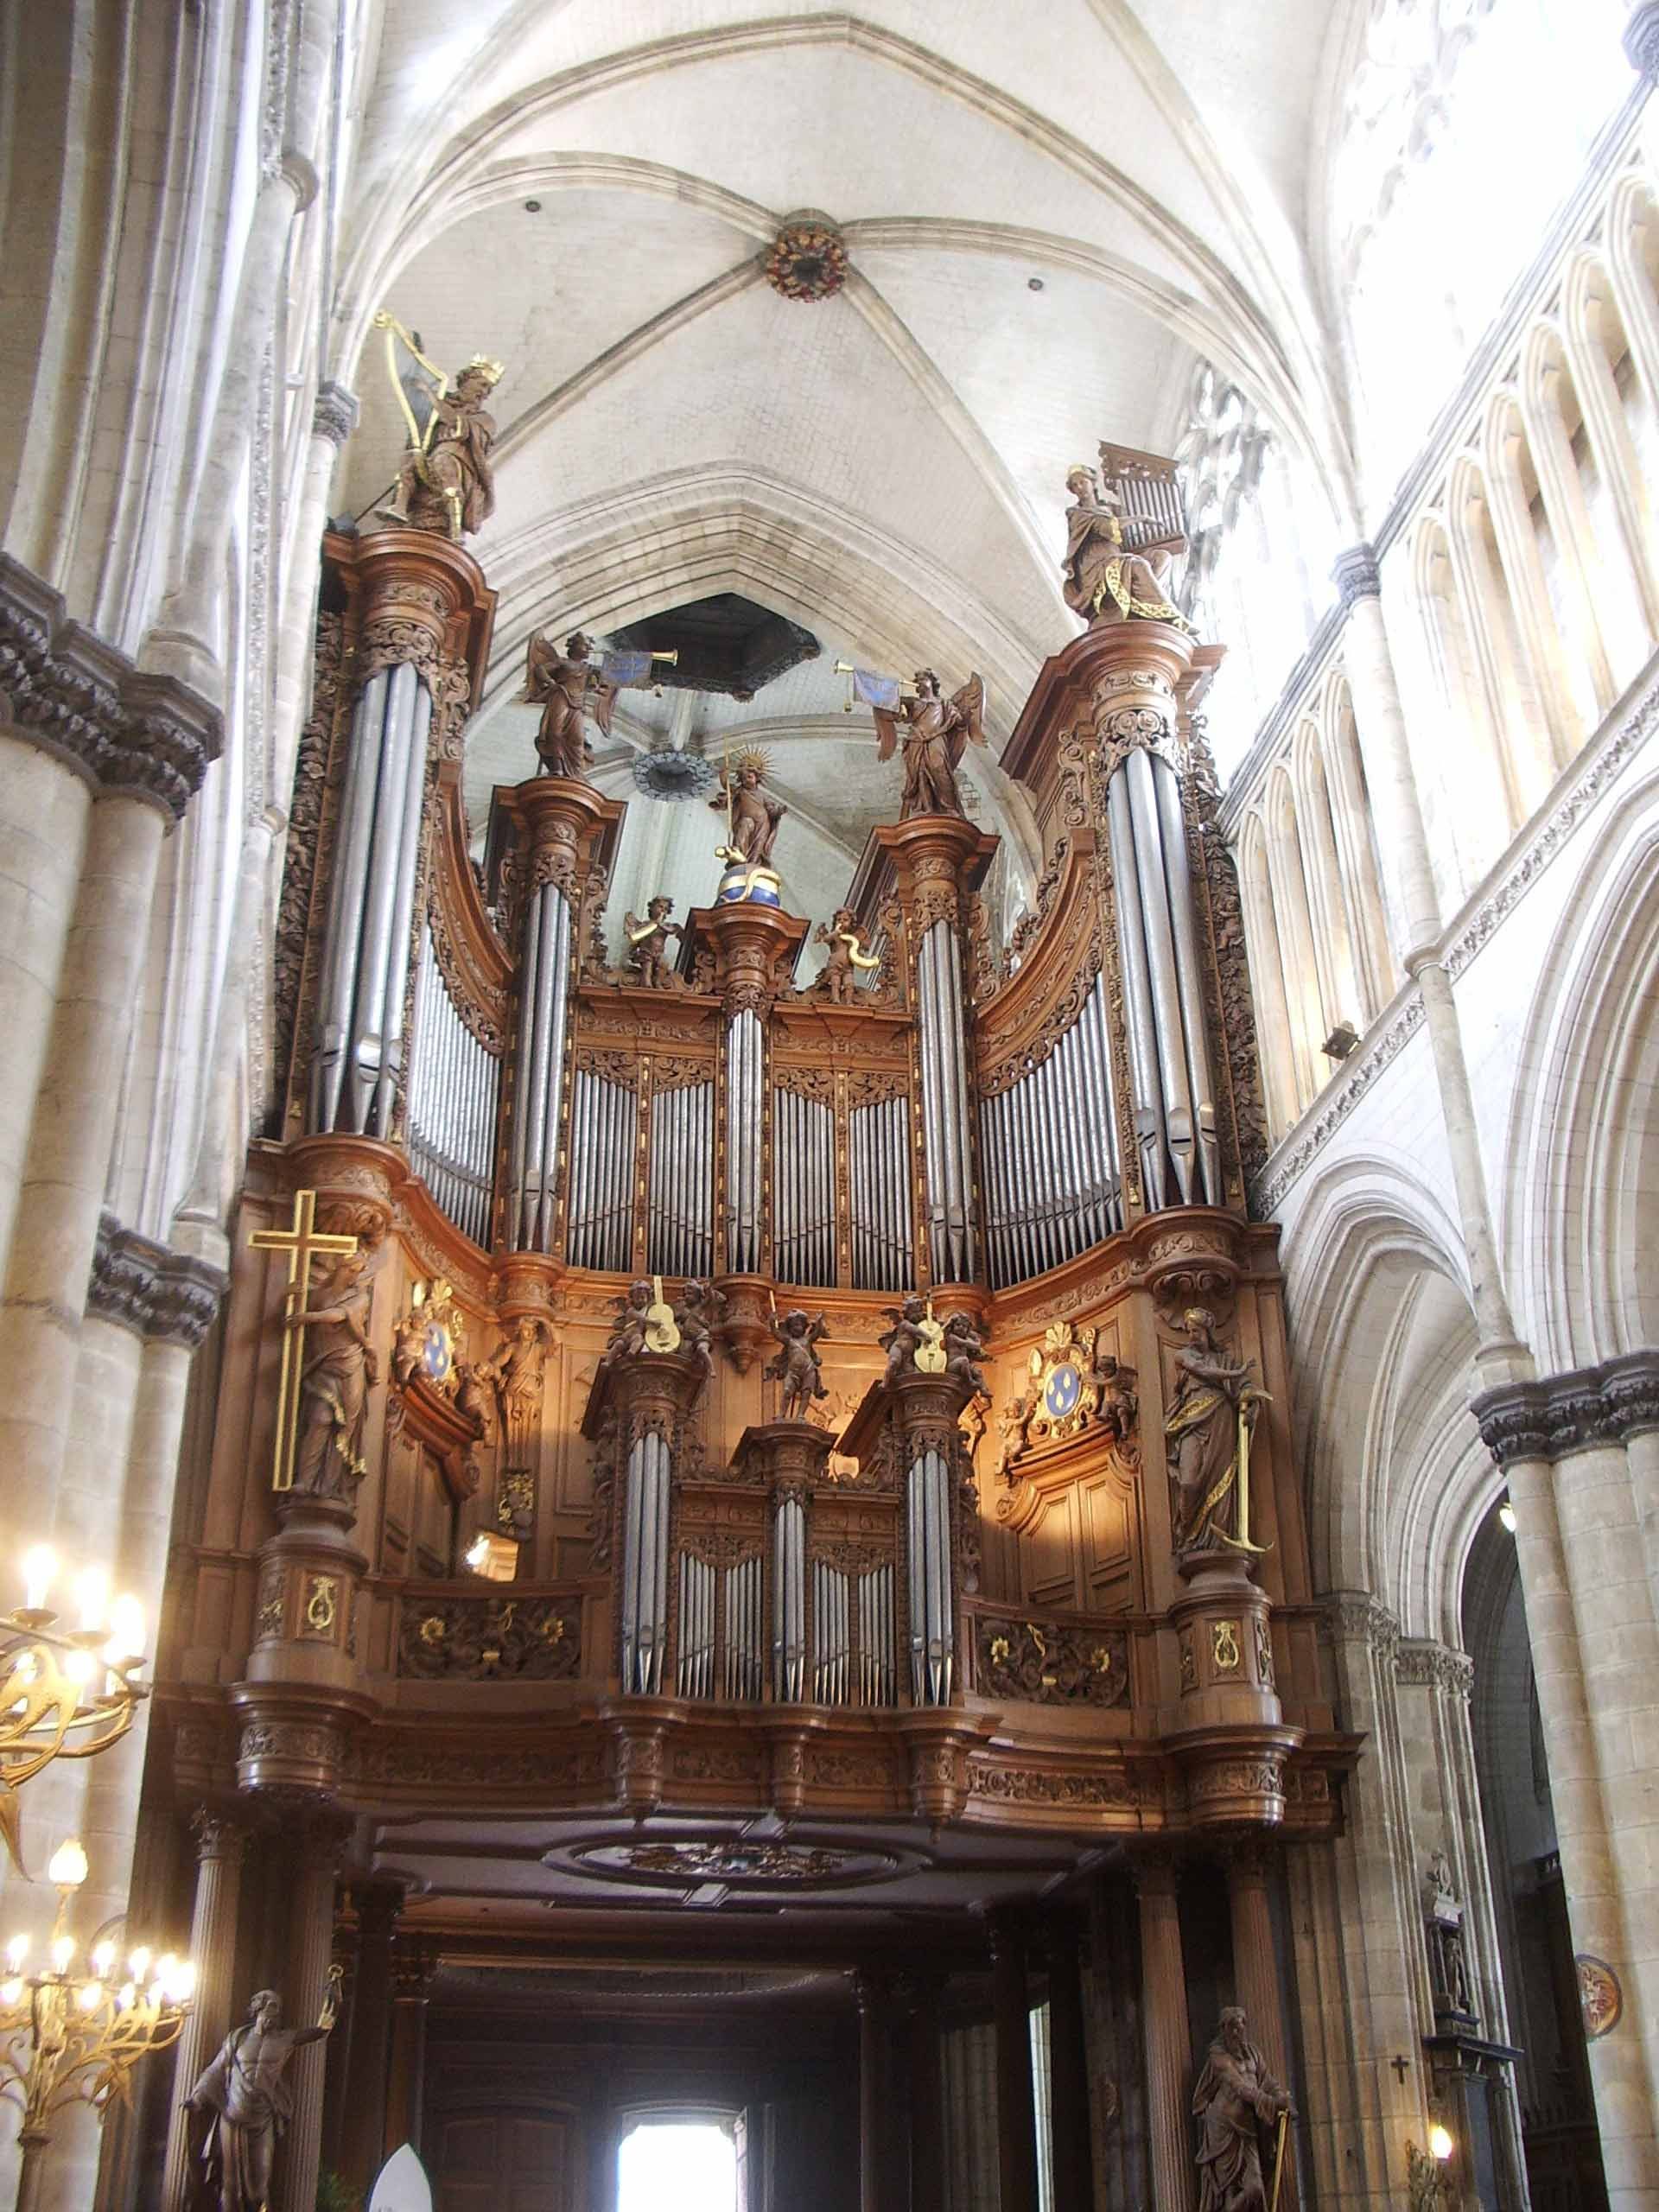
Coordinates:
807 261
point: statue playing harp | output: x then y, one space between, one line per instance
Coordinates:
567 688
933 732
446 482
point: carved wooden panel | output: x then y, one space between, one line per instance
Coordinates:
508 2162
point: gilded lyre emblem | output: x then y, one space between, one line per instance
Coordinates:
1224 1647
929 1355
321 1603
662 1329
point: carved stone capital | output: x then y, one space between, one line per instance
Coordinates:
333 413
130 734
1642 40
1558 1415
1356 574
1355 1617
162 1296
1421 1663
218 1837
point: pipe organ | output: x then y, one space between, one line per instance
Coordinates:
747 1399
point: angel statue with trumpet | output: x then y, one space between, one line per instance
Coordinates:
446 482
569 688
933 732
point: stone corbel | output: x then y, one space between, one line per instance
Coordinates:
163 1296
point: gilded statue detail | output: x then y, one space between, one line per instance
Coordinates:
569 689
245 2091
446 482
933 732
1105 579
647 938
847 959
1212 1411
1235 2098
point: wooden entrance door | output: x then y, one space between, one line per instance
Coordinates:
520 2159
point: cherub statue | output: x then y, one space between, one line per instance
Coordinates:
964 1349
648 942
795 1365
934 732
408 1347
477 1384
628 1330
567 688
753 814
1104 580
446 481
1012 1425
1116 1404
848 958
701 1310
907 1334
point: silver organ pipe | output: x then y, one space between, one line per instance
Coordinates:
694 1663
680 1187
947 1155
599 1225
744 1673
544 991
933 1637
803 1188
1054 1185
1146 1099
358 1037
1178 883
745 1076
789 1601
454 1086
879 1166
645 1567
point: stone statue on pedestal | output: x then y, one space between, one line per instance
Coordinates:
1235 2098
1201 1436
797 1365
245 2091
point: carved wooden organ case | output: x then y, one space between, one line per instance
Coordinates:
926 1599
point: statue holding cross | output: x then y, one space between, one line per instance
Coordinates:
323 1390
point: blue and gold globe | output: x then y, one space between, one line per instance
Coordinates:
1062 1390
742 885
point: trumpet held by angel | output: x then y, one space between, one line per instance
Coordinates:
933 732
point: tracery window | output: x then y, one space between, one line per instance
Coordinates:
1464 124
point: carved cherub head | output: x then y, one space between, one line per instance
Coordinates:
660 908
845 919
748 780
793 1323
639 1296
927 684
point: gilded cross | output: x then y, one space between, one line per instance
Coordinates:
303 1241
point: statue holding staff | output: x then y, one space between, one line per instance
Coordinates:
1235 2097
245 2091
1205 1437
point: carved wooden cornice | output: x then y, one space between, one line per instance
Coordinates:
1032 1011
128 733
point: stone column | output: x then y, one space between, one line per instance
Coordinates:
220 1844
412 1970
1169 2044
1379 720
1589 1608
1256 1972
1016 2114
310 1951
333 417
378 1904
875 2042
1068 2067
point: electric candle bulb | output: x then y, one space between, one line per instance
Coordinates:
63 1949
126 1631
11 1993
92 1596
184 1982
39 1568
138 1963
126 1997
67 1868
1440 2142
102 1960
16 1952
79 1669
89 1996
